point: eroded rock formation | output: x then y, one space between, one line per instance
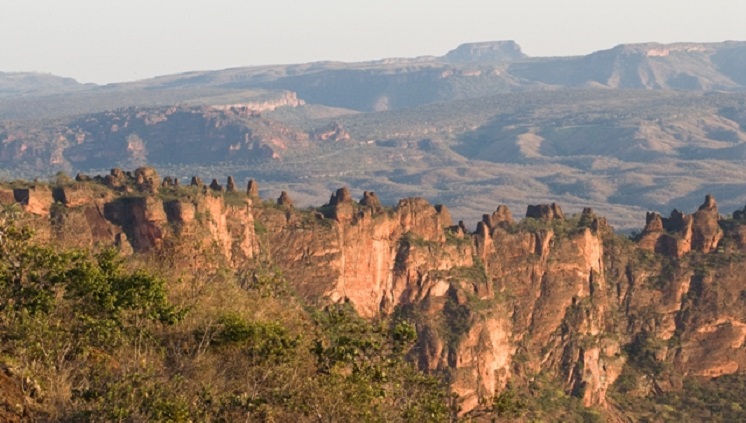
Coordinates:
561 297
681 233
545 211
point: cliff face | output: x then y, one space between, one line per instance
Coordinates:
551 295
135 136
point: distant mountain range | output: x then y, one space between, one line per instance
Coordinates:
623 130
471 70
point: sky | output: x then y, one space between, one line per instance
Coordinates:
104 41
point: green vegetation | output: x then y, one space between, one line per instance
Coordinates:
541 400
719 399
107 339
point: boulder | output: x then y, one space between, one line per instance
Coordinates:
145 179
116 178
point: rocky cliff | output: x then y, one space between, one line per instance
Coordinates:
552 296
134 136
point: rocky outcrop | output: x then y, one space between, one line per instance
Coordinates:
503 304
370 199
197 182
286 99
706 232
215 186
500 217
36 199
146 179
340 205
740 214
680 233
284 200
252 189
545 211
492 52
331 132
230 186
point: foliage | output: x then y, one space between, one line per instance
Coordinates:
508 403
719 399
367 360
261 341
109 302
107 343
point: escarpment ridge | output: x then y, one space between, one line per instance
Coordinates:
553 295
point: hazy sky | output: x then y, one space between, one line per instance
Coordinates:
111 40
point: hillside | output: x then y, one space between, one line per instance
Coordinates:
623 130
340 311
471 70
622 152
22 84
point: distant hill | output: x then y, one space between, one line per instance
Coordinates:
17 84
471 70
681 66
621 130
491 52
618 151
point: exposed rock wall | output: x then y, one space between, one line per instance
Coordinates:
554 295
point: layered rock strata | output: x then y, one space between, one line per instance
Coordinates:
552 295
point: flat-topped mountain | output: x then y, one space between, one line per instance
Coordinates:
679 66
471 70
489 52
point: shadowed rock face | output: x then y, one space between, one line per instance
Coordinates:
284 199
562 302
215 185
545 211
740 214
197 181
252 189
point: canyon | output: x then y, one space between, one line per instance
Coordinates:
552 295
